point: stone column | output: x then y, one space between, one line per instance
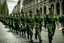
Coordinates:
55 8
47 8
60 8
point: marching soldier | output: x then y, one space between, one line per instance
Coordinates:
39 20
17 22
23 28
30 22
13 22
27 25
62 23
51 21
11 19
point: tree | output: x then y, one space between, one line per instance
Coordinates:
0 6
4 8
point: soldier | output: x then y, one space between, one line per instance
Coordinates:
9 18
27 25
23 29
62 23
30 22
39 20
51 21
17 22
13 22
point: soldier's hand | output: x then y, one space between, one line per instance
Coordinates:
58 27
43 25
21 24
35 26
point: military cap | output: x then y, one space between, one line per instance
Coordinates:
30 11
22 12
18 13
13 13
25 12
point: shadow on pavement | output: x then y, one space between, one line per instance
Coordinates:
31 42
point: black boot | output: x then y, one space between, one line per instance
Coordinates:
50 41
24 34
20 33
35 36
28 36
16 32
40 41
31 39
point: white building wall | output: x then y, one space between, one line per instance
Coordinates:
35 5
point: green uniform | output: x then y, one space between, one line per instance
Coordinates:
62 22
9 21
17 22
27 26
23 29
13 23
51 20
30 23
39 20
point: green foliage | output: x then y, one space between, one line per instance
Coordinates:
4 8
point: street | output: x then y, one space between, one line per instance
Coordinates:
6 36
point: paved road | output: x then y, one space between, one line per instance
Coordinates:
6 36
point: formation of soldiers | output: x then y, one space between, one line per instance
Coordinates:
24 23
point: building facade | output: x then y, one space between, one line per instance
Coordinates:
43 6
17 8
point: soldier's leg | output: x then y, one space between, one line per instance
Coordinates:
31 37
50 34
62 30
28 34
23 32
31 34
53 29
20 31
16 29
36 33
27 31
50 38
39 35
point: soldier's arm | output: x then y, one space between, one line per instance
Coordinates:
43 19
57 22
34 21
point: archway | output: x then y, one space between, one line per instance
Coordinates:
63 7
57 8
41 10
44 10
52 6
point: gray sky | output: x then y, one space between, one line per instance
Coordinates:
11 4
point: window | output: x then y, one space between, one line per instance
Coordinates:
36 1
44 0
40 0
